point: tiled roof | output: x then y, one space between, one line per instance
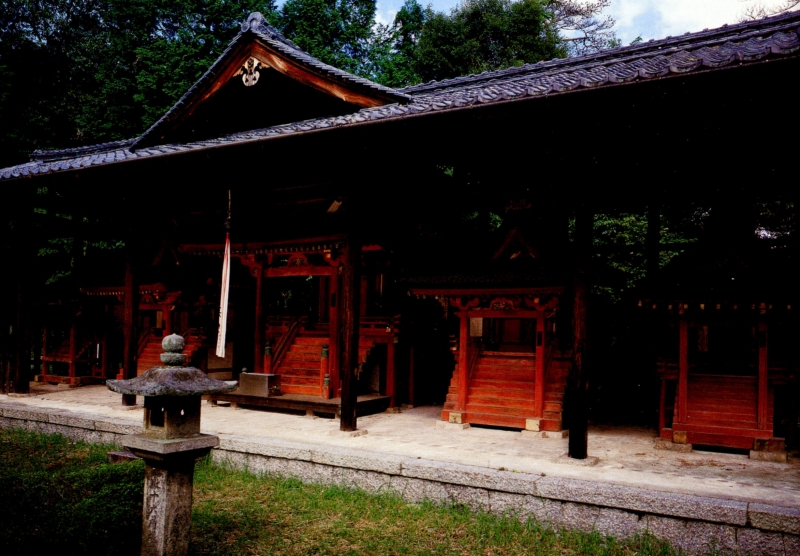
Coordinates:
257 25
740 44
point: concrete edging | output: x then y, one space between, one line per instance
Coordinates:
694 523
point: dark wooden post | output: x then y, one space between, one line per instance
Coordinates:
129 326
683 370
391 380
463 362
540 378
334 353
258 361
578 383
763 378
351 298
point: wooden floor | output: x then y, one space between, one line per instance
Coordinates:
367 404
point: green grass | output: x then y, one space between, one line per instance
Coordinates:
62 497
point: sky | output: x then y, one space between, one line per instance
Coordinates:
650 19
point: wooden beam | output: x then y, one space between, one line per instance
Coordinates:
351 298
300 271
578 382
129 325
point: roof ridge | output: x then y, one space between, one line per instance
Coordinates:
722 33
42 155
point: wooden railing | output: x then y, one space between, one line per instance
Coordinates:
283 344
473 347
144 339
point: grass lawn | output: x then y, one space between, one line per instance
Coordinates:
63 497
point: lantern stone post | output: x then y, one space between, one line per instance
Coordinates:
169 444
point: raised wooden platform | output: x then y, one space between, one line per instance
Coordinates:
366 405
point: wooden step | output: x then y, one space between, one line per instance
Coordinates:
297 389
513 411
299 380
494 420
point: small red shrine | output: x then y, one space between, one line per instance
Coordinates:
302 348
725 326
510 371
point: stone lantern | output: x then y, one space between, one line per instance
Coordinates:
170 444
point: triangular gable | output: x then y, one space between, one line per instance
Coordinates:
514 246
261 80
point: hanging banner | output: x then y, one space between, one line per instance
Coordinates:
223 298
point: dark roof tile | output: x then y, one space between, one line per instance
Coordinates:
745 42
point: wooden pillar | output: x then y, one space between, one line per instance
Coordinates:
662 404
73 347
351 298
463 361
258 361
129 326
763 378
44 350
324 299
390 377
683 370
335 332
578 383
539 380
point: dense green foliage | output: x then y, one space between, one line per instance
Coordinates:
76 72
87 71
63 497
485 35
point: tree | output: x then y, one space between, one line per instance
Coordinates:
485 35
337 32
394 47
758 10
582 24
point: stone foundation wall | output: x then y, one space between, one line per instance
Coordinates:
694 523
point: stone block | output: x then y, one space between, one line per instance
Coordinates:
619 523
506 503
579 516
668 504
769 445
774 518
667 528
272 447
473 498
446 425
26 414
680 437
588 461
775 457
466 475
417 490
357 460
755 542
348 434
118 427
791 544
662 444
702 538
532 425
455 417
72 420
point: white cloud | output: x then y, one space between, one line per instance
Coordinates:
656 19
